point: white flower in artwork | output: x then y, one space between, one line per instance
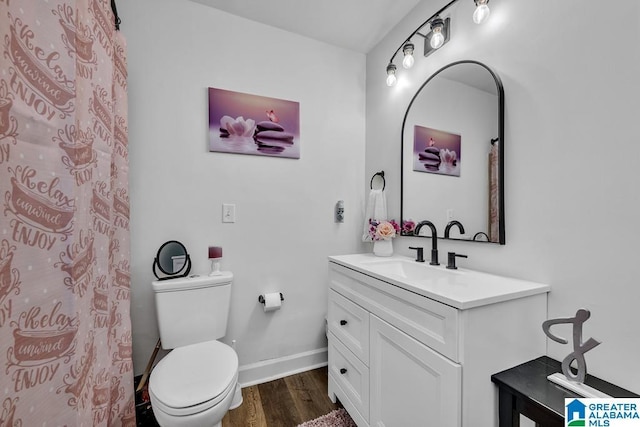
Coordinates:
448 157
238 126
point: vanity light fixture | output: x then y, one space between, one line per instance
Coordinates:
408 60
482 11
438 36
391 74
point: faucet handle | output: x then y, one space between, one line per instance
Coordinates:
419 253
451 260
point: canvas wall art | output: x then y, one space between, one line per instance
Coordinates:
242 123
436 151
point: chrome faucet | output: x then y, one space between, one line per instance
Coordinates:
451 224
434 239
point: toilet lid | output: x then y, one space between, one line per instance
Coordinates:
194 374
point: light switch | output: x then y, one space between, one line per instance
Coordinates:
228 212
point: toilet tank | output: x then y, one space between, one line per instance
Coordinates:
192 309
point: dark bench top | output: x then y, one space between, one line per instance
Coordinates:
529 381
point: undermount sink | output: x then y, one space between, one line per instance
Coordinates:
408 269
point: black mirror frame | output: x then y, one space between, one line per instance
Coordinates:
183 272
500 88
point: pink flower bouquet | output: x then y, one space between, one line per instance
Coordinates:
408 225
383 230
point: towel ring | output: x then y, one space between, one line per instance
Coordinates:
479 235
381 175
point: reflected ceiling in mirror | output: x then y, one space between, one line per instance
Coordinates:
453 153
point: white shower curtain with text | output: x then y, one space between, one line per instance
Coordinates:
65 326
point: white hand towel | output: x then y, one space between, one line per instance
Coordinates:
376 209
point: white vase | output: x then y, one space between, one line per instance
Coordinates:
383 247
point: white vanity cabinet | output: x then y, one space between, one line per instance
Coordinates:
411 385
400 357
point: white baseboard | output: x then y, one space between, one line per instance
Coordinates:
273 369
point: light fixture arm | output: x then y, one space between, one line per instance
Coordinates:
416 31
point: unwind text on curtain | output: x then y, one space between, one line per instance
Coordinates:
65 326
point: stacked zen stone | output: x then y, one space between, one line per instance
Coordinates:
271 137
431 158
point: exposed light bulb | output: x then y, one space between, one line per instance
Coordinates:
437 39
408 60
391 75
481 13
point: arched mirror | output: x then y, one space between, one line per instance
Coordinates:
452 157
172 260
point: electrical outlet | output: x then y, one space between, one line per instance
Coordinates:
228 212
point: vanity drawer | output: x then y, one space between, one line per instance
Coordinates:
350 324
350 374
430 322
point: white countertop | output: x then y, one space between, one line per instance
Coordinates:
461 288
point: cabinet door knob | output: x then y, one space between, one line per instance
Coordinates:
343 371
343 322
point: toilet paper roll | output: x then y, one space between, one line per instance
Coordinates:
272 301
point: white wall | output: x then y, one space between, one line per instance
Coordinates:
285 228
572 150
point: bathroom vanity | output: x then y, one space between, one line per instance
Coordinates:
412 344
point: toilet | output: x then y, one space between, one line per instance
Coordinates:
197 382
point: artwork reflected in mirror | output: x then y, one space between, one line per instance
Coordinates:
436 151
452 153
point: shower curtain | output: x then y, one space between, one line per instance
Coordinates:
65 327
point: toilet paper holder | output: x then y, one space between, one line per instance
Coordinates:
261 298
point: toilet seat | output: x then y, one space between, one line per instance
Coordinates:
194 378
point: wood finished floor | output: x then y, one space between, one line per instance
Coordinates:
285 402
